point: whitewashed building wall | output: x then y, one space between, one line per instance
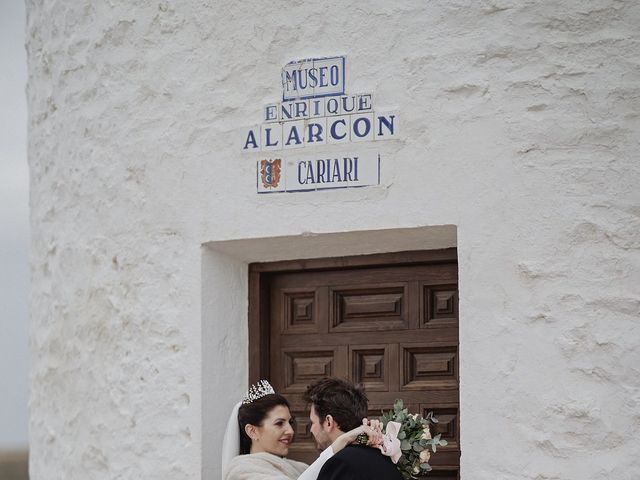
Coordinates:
518 143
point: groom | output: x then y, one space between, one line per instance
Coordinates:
338 406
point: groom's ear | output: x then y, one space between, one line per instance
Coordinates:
329 422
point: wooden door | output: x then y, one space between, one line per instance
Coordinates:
391 327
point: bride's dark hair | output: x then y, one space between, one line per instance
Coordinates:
254 413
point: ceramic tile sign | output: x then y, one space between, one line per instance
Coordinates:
304 173
316 111
317 77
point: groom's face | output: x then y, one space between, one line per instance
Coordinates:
318 430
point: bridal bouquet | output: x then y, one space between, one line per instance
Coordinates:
408 441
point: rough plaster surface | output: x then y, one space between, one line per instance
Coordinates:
519 126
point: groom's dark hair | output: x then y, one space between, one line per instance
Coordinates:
344 401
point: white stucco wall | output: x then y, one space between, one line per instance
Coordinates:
519 126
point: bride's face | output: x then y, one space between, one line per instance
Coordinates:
275 434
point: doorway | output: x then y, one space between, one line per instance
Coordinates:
387 321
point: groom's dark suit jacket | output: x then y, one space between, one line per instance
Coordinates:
358 462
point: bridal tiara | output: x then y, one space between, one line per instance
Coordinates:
258 390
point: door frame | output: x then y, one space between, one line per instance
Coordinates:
259 282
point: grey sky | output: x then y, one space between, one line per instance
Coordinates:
14 228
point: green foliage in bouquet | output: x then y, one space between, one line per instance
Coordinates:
415 438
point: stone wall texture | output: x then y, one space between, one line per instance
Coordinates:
519 124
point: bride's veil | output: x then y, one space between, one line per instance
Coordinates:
231 442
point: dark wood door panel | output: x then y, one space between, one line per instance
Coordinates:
430 397
440 336
373 366
443 474
427 367
445 458
369 308
448 426
300 366
440 274
299 309
392 328
438 305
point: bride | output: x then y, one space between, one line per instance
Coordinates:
258 436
